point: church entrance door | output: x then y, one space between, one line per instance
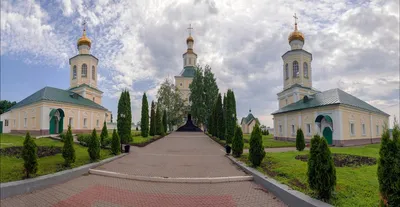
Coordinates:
56 121
327 133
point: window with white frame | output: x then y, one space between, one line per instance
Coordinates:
293 132
377 130
25 122
287 71
33 122
84 70
93 73
97 123
85 122
308 126
14 123
190 60
74 72
363 129
295 69
70 121
280 129
352 130
305 70
6 122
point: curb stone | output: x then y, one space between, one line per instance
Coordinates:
25 186
287 195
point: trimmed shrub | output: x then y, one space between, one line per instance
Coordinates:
94 147
68 151
104 135
300 143
153 119
62 136
29 154
237 142
144 119
321 171
256 151
84 139
389 167
115 143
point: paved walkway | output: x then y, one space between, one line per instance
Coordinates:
180 154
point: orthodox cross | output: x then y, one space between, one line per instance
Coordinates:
84 24
295 18
190 29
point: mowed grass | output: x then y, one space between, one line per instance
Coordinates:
11 168
356 186
268 142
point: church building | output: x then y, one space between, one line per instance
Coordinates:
50 110
185 78
247 123
343 119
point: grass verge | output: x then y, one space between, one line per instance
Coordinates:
268 142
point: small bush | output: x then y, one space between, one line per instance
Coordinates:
300 143
103 135
267 132
115 143
94 146
29 154
84 139
256 151
62 136
321 171
107 142
68 151
237 142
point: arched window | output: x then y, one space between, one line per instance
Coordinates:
93 73
305 70
74 72
287 71
295 69
84 70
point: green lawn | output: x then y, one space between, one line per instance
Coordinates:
268 142
139 139
356 186
11 168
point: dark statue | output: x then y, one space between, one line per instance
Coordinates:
189 126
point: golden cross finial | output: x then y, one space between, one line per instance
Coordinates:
295 18
84 26
190 29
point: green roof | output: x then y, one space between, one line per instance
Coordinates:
188 71
299 86
249 118
85 85
329 97
57 95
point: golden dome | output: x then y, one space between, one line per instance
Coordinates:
296 35
189 39
84 40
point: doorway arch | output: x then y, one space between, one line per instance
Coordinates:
56 121
325 124
327 133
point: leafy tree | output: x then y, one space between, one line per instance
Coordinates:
210 92
220 118
68 151
214 120
300 142
153 119
124 121
321 171
144 121
267 132
196 97
389 167
5 105
94 146
159 124
237 142
256 151
115 143
164 121
104 134
231 121
29 154
169 98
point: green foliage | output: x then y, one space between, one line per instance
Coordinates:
210 93
144 120
62 136
68 151
321 170
220 131
104 135
196 97
267 133
124 120
389 166
5 105
237 142
159 124
164 121
153 119
230 117
115 143
300 142
224 114
29 154
256 151
84 139
94 146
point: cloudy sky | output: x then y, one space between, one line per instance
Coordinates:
355 46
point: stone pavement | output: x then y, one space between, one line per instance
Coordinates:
180 154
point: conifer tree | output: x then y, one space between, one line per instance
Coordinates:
104 135
321 171
300 142
220 118
165 123
115 143
124 120
210 92
153 119
237 142
230 116
224 110
94 146
267 132
159 124
196 97
144 121
68 151
256 151
29 154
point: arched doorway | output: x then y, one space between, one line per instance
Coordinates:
325 124
56 121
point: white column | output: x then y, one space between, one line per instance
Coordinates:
285 127
370 124
299 122
340 123
79 120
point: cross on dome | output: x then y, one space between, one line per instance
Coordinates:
190 29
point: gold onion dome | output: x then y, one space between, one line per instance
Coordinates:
296 35
189 39
84 40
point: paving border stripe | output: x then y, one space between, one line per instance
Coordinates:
25 186
287 195
171 180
